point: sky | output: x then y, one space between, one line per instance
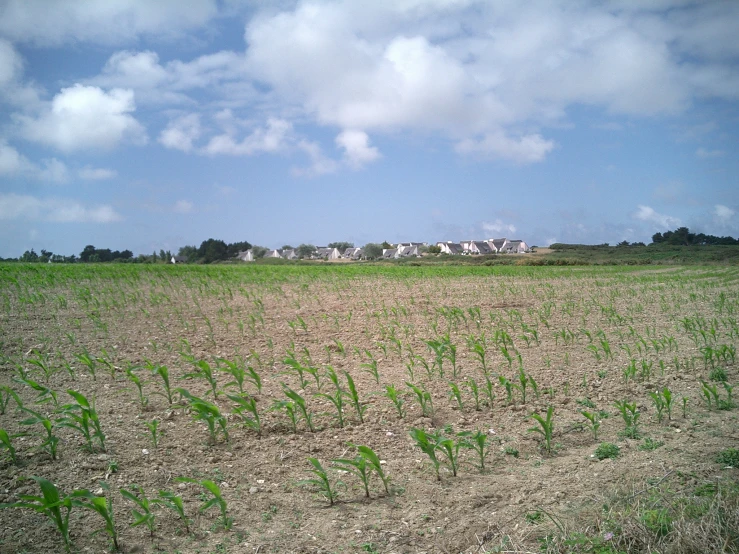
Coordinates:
131 124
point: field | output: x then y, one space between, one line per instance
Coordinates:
235 376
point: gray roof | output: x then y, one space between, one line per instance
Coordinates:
483 247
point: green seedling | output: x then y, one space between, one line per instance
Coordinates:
289 408
83 417
299 401
685 407
456 394
424 399
174 503
41 361
371 367
45 394
475 391
248 405
508 388
154 432
291 362
6 393
710 392
428 443
163 373
89 362
374 461
51 441
131 376
478 349
593 422
142 514
477 441
5 442
354 397
546 427
217 499
337 399
52 504
450 448
322 482
630 415
205 372
104 508
607 450
202 410
489 392
439 349
105 360
357 466
316 373
662 401
241 373
396 398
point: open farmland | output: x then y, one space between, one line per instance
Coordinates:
247 349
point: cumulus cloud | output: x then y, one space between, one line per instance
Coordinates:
320 163
183 207
498 227
357 151
57 210
96 173
526 149
181 133
85 117
723 213
15 164
273 137
660 221
109 22
704 154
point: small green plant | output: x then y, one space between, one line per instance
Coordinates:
83 417
662 401
143 515
354 397
450 448
685 407
607 450
475 391
131 376
174 503
163 373
246 404
510 451
424 399
154 432
357 466
322 482
728 457
51 441
489 392
718 374
710 392
630 415
650 444
217 499
289 408
299 401
546 427
202 410
337 399
241 373
428 443
477 441
45 394
89 362
205 372
396 398
508 388
104 508
6 393
376 464
5 442
456 394
593 422
371 367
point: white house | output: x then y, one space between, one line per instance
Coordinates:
407 251
327 253
289 254
450 247
246 256
353 253
273 254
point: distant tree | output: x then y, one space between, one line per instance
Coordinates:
45 256
259 251
190 253
341 245
212 250
372 251
638 244
623 243
305 250
287 247
434 249
657 238
29 256
233 249
126 255
87 253
386 245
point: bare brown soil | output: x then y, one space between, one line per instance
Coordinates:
272 512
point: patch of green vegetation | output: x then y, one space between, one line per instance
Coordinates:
650 444
607 450
729 457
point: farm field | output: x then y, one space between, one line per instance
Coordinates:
233 377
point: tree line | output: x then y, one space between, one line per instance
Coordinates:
683 236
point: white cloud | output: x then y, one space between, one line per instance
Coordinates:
108 22
54 171
11 161
661 221
320 164
723 213
181 132
526 149
550 241
183 207
15 164
85 117
704 154
498 227
274 137
57 210
96 173
357 151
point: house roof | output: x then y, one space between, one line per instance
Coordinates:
483 247
498 243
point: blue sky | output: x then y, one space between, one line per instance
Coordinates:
149 125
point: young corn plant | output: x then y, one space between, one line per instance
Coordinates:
456 394
7 444
477 441
428 443
630 415
508 388
89 362
131 376
241 373
354 397
357 466
163 372
477 345
545 429
205 372
202 410
293 364
424 399
104 508
489 392
217 499
337 399
51 441
374 461
593 422
450 448
710 392
87 420
154 432
396 398
45 394
475 390
175 504
438 347
246 404
6 394
52 504
42 362
322 482
299 401
371 367
142 514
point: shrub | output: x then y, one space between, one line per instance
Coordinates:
729 457
607 450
